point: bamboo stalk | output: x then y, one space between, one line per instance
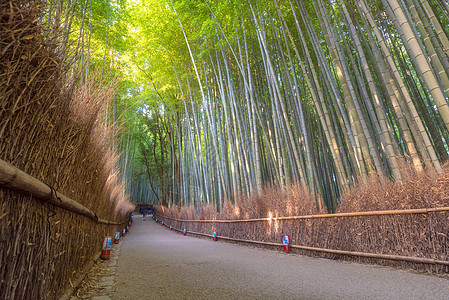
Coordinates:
15 179
350 214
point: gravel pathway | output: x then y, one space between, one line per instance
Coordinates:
156 263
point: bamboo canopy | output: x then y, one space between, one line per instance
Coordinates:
323 94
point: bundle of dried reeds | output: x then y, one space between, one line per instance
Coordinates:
50 129
421 235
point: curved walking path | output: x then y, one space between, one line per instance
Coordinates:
156 263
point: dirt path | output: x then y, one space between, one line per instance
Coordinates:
156 263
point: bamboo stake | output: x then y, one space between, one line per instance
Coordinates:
15 179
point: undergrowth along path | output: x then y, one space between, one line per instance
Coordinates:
156 263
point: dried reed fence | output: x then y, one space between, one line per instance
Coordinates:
395 222
50 129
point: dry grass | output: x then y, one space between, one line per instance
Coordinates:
49 128
418 235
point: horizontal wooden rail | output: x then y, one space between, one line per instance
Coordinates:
15 179
338 215
411 259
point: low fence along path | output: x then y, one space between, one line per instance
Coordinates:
156 263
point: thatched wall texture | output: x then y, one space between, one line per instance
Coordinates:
49 129
413 235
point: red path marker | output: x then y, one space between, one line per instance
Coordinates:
286 243
106 250
116 237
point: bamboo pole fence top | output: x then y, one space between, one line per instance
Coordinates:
322 216
15 179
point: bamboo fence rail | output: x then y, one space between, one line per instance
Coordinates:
411 259
337 215
15 179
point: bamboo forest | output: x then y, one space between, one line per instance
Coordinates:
218 99
150 148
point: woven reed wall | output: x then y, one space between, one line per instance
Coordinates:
49 129
415 235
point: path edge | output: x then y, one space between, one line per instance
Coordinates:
77 282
